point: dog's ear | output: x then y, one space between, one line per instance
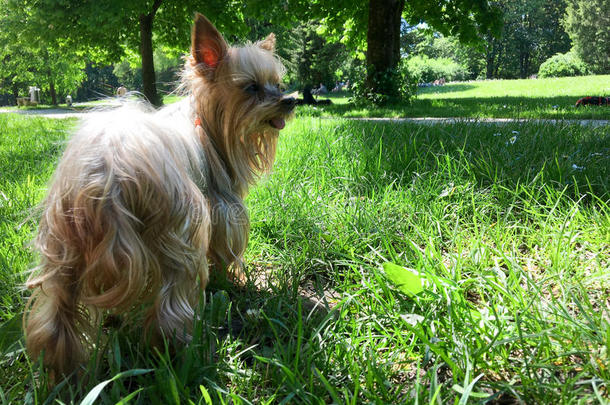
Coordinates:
208 46
268 43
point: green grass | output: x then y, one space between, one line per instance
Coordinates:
15 108
508 227
540 98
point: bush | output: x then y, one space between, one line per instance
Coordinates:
563 64
398 87
427 70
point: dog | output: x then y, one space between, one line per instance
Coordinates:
144 205
592 101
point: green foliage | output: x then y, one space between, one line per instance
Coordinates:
100 82
128 76
311 59
28 57
168 66
104 30
587 22
381 88
562 65
419 41
427 70
532 33
346 21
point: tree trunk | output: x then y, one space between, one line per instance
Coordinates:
490 57
383 41
15 89
52 92
148 66
489 65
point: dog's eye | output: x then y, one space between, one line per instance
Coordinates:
252 88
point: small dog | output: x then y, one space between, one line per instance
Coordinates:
592 101
144 204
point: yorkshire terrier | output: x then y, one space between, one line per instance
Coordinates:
145 204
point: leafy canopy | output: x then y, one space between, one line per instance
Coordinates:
347 20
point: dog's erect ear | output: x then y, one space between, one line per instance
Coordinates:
268 43
208 46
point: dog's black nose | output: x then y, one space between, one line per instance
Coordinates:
288 103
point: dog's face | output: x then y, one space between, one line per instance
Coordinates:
239 96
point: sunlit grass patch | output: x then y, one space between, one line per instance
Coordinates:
552 98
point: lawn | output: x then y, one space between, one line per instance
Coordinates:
506 227
552 98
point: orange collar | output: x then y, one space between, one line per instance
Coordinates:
197 122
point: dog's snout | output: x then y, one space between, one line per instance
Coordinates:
288 103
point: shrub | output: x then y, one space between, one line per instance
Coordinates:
397 84
427 70
563 64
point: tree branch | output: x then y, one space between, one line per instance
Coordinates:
155 7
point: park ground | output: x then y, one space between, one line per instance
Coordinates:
552 98
388 263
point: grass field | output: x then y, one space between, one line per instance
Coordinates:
507 228
540 98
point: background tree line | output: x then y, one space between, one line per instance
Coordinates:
87 48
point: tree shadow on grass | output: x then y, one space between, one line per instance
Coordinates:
563 157
318 228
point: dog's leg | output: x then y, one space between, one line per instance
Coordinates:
185 276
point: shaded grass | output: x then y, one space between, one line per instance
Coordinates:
509 226
552 98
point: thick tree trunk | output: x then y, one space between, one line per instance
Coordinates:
148 66
383 41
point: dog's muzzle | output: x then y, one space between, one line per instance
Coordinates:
288 104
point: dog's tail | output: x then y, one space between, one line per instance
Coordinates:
52 326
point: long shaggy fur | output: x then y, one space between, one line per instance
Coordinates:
144 204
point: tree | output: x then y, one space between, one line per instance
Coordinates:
532 33
46 62
588 22
105 29
15 66
311 59
373 26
